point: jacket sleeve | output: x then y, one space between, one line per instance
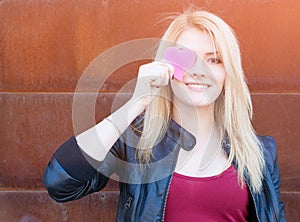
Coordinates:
276 180
71 174
276 177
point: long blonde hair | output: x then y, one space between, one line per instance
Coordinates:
233 108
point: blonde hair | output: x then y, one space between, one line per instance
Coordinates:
233 108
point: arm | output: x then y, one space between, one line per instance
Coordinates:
72 172
150 78
276 181
275 174
69 175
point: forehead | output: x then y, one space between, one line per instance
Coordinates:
197 40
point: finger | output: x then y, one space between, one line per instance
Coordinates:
158 80
170 68
165 72
156 73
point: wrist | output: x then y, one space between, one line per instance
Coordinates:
135 108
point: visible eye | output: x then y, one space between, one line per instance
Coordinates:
214 60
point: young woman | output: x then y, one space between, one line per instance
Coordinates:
183 146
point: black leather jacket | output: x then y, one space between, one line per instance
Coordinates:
71 175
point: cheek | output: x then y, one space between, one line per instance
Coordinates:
220 76
176 87
179 91
222 80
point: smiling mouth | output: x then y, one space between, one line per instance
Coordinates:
197 86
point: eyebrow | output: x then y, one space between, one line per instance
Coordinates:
212 53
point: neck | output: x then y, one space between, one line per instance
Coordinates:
199 121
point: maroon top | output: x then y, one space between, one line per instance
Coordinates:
216 198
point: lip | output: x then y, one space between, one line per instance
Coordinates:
197 86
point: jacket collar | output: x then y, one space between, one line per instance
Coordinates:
177 133
187 140
227 148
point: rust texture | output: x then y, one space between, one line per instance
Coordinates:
45 46
35 206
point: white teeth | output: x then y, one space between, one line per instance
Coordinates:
198 86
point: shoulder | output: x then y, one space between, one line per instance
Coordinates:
269 148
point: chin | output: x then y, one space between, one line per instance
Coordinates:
196 102
203 104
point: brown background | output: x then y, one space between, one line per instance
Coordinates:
46 45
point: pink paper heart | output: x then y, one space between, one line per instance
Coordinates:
181 59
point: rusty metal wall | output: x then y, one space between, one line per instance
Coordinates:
46 45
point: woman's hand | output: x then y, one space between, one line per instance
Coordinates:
151 77
98 140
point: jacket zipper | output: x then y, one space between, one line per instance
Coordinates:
165 204
255 207
128 203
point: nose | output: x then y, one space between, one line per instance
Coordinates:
198 74
200 69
